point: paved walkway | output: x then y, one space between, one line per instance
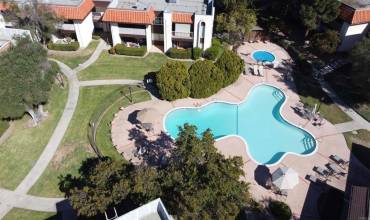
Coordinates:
358 121
19 198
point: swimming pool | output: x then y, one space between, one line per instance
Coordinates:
263 56
257 120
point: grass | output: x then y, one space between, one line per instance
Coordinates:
3 126
21 150
359 144
341 82
74 58
75 146
122 67
311 93
24 214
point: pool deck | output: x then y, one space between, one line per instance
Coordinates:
330 141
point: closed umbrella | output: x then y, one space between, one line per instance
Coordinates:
285 178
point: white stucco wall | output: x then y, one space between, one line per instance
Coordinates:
148 34
84 30
208 32
115 34
167 31
351 34
2 21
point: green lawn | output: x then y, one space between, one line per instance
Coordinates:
121 67
3 126
24 214
75 145
359 144
74 58
22 149
311 93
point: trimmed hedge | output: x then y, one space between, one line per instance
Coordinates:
213 53
197 53
205 79
280 210
172 80
231 66
121 49
73 46
180 53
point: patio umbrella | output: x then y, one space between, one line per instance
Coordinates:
285 178
147 116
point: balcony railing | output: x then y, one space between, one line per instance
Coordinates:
66 27
184 35
97 15
158 21
132 31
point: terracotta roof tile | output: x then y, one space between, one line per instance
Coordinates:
129 16
4 6
352 16
185 18
75 13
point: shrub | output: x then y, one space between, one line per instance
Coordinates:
73 46
121 49
205 79
327 42
197 53
213 53
96 37
231 65
171 80
280 210
216 42
180 53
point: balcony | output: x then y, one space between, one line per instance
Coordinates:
66 27
97 15
132 31
182 35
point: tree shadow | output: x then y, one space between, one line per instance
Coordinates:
132 117
262 176
150 84
362 153
152 152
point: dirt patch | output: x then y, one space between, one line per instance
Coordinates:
60 155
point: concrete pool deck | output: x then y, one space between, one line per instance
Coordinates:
330 141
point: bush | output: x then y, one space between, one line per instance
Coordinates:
197 53
231 65
213 53
326 43
73 46
129 51
171 80
280 210
205 79
96 37
180 53
216 42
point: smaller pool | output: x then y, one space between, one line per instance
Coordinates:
263 56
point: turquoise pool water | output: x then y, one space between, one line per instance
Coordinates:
263 56
257 120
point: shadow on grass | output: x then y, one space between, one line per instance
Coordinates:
362 153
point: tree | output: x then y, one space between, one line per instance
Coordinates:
315 12
103 184
233 25
39 19
202 183
205 79
26 78
171 80
327 42
360 75
231 65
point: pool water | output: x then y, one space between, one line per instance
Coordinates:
263 56
257 121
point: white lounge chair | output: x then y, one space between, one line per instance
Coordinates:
255 70
261 70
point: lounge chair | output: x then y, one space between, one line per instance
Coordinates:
322 171
333 168
312 178
255 70
260 70
338 160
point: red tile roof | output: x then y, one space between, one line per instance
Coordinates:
75 13
353 16
4 6
184 18
129 16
